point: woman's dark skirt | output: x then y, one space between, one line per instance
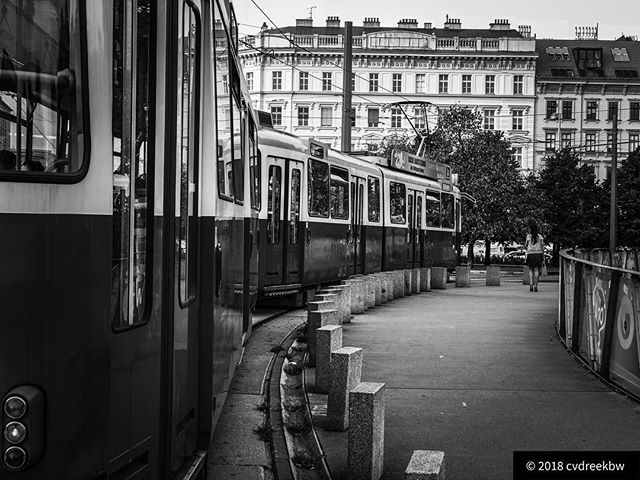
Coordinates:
534 260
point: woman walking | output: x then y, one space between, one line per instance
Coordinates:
535 255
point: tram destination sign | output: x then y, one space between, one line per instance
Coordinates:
420 166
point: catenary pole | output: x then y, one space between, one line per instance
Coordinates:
614 180
346 88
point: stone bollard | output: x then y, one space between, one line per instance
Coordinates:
346 301
315 320
384 289
415 280
370 292
439 277
346 371
365 457
388 278
328 339
407 282
339 301
493 276
377 288
425 279
357 295
319 305
463 276
525 275
328 297
398 283
425 465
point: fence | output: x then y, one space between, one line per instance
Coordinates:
599 314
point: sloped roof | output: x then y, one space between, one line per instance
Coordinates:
438 32
567 68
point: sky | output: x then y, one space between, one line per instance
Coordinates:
548 18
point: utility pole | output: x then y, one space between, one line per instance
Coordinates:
346 88
613 212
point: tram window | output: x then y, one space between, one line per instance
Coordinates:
397 205
410 217
224 108
273 204
254 167
238 141
448 219
432 209
339 193
419 213
42 98
295 207
374 199
132 163
318 188
187 150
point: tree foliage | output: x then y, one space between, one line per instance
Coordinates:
574 205
628 201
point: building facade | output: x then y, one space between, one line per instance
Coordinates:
296 74
580 84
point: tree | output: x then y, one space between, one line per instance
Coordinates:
574 205
399 142
484 163
628 201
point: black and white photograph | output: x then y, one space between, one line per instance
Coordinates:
321 240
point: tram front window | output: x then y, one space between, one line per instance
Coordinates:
41 131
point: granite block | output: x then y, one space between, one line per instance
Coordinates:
415 280
328 297
493 276
346 371
463 276
357 295
329 339
345 301
439 277
425 465
525 275
318 305
407 281
315 320
425 279
398 283
370 295
365 451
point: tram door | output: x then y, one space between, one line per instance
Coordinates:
293 232
419 232
357 229
410 237
283 257
276 237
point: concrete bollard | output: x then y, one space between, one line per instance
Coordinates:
493 276
346 301
415 280
328 339
425 279
315 320
439 277
525 275
398 283
463 276
425 465
346 371
407 282
357 295
365 457
388 279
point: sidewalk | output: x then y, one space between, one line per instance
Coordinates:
478 373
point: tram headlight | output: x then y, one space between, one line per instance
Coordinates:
15 407
15 458
15 432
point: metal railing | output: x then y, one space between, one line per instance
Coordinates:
599 313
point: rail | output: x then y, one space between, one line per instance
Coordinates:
599 313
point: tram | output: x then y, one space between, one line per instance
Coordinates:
330 215
128 225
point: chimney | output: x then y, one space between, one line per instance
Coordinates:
304 22
333 21
453 23
408 23
428 25
500 24
525 30
371 22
